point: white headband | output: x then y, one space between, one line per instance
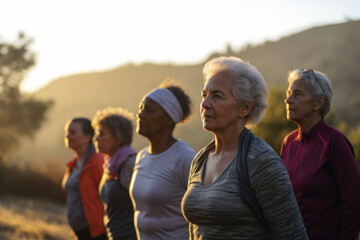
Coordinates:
167 100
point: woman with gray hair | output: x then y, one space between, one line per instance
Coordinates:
238 187
113 136
320 160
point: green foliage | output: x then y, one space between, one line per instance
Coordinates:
353 134
329 49
274 126
20 115
354 137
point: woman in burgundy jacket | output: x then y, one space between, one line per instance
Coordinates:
320 161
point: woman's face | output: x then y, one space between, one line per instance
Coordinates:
299 103
151 119
219 108
74 136
105 142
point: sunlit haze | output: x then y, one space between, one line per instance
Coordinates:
79 36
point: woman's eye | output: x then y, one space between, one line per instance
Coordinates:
203 94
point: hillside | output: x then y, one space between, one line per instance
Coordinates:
332 49
32 219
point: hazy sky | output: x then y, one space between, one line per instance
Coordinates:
75 36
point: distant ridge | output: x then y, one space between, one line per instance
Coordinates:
333 49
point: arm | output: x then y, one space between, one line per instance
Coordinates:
126 171
191 233
192 171
65 178
97 171
272 187
183 167
347 176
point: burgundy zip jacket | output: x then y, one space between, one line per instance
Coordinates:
326 181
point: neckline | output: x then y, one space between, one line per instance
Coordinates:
202 171
162 153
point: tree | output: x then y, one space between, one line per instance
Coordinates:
20 114
274 126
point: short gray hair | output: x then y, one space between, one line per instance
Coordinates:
317 83
249 83
120 122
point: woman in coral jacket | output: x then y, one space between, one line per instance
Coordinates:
81 181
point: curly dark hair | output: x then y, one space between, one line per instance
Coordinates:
179 91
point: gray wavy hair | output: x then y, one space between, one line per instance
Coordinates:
119 120
317 83
249 83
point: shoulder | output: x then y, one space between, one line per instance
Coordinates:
141 154
183 146
71 163
143 151
183 150
200 156
331 133
288 140
290 137
130 161
261 149
261 157
266 168
126 171
95 159
333 138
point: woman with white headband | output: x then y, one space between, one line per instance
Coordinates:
161 170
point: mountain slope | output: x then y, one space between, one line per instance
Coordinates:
332 49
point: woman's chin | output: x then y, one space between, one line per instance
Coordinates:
141 132
207 127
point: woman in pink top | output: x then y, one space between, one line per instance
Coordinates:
320 160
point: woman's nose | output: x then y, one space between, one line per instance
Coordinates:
140 115
288 99
205 103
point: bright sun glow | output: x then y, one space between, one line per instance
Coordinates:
81 36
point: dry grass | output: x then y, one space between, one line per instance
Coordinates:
26 219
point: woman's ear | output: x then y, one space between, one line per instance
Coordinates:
245 109
89 138
120 140
319 103
170 123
